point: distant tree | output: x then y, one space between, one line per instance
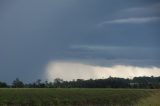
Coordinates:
39 84
17 83
48 84
58 82
111 82
3 85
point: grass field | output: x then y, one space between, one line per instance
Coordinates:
79 97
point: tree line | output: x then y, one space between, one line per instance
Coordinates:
111 82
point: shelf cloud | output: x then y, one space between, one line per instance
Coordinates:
76 70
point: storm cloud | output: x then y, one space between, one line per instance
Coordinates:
70 71
35 33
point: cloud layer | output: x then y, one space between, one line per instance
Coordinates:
111 48
132 20
136 15
73 70
33 32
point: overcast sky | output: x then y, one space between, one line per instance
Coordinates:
78 38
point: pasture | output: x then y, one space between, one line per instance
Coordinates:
78 97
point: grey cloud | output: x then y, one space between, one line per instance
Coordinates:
34 32
149 10
136 15
113 48
137 20
115 52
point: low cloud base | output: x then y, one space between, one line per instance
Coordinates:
72 70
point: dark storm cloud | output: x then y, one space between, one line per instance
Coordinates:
32 33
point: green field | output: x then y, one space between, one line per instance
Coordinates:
79 97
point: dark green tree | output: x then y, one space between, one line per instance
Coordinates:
3 85
58 82
17 83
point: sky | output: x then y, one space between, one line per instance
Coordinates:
72 39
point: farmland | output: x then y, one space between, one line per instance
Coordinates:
76 97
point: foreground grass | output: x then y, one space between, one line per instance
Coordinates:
153 100
72 97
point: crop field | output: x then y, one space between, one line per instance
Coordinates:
78 97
